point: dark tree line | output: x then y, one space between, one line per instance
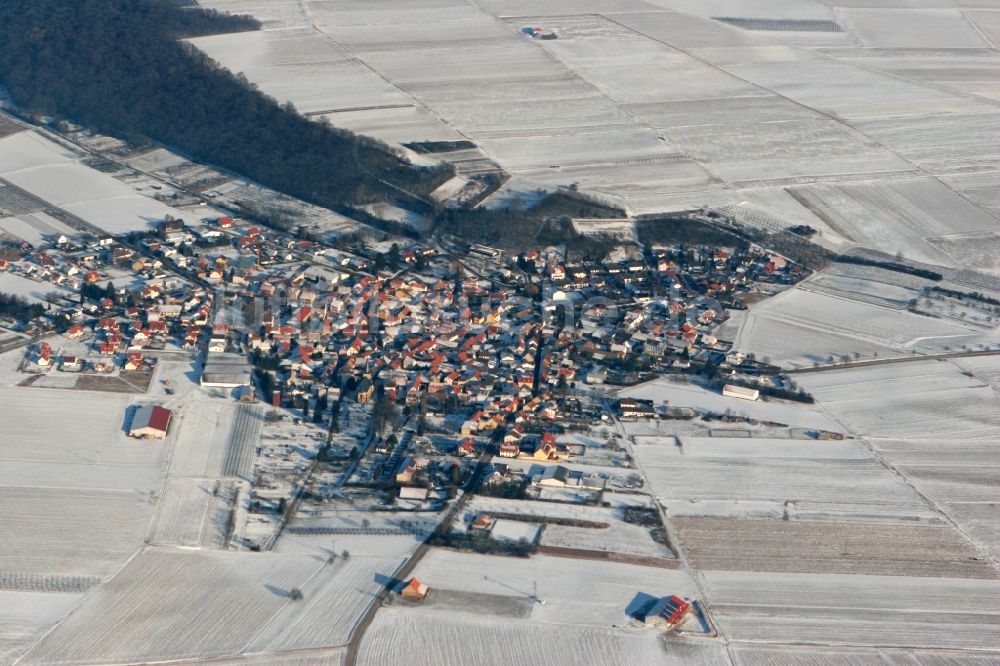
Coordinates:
119 66
19 308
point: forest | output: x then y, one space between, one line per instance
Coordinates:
121 67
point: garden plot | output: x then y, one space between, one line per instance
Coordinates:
25 616
432 639
820 479
978 251
792 346
961 477
845 89
697 34
830 547
987 20
975 73
513 9
204 604
721 111
861 289
576 592
322 544
70 532
691 395
618 537
911 28
856 610
48 171
318 657
918 400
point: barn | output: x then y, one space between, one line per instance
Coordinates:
741 392
150 422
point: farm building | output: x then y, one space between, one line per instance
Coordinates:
150 422
741 392
414 589
634 408
225 371
667 612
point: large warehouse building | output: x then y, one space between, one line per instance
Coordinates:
150 422
226 371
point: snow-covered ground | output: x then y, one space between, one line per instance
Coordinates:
52 173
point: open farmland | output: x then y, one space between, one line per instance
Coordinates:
661 106
830 547
172 604
51 439
183 513
25 616
804 327
611 587
917 400
52 173
432 639
832 609
335 600
34 227
70 532
823 479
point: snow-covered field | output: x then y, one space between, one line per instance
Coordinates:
738 476
31 290
690 395
183 513
433 639
25 616
804 326
52 173
34 227
171 604
334 602
856 610
576 592
74 439
915 400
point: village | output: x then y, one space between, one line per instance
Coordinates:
456 394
